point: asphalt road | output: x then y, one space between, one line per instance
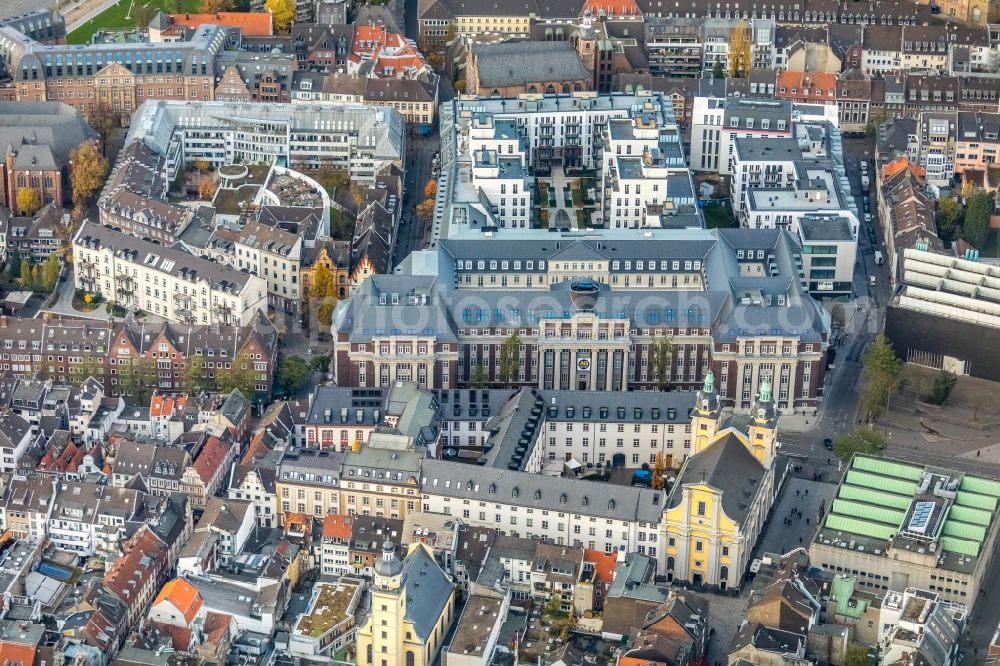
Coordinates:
419 152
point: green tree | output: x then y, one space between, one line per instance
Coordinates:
862 440
88 173
143 14
28 200
90 366
944 382
510 358
659 467
14 264
718 71
880 370
36 278
325 312
661 352
50 272
949 214
425 210
875 118
293 373
283 13
480 379
837 317
25 279
977 218
240 376
320 364
103 119
739 50
195 379
137 379
856 655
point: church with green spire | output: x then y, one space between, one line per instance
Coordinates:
720 502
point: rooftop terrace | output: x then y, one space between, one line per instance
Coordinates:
332 605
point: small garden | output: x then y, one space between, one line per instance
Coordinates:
719 216
84 301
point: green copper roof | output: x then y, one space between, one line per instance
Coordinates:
887 468
878 514
874 497
975 484
875 482
841 591
859 527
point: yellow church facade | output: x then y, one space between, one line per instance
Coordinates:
718 506
412 608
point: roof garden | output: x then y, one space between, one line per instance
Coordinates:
331 606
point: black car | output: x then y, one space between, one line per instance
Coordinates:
828 443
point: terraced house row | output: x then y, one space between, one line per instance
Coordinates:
73 349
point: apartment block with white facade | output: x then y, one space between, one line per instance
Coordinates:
356 138
717 122
584 514
644 177
937 135
546 131
165 281
274 255
504 181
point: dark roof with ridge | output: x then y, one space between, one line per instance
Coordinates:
728 466
517 63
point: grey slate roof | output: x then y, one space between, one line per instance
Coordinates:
728 466
427 590
462 481
517 63
44 131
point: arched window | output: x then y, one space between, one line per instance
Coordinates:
409 658
723 578
670 564
577 87
565 88
550 89
532 89
495 93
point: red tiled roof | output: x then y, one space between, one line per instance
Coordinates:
612 8
337 527
183 596
146 545
17 654
212 455
252 24
180 637
604 564
216 626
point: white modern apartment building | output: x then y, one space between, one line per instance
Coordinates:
644 177
164 281
504 181
356 138
547 133
274 255
717 122
937 136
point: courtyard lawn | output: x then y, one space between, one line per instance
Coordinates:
113 18
719 216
